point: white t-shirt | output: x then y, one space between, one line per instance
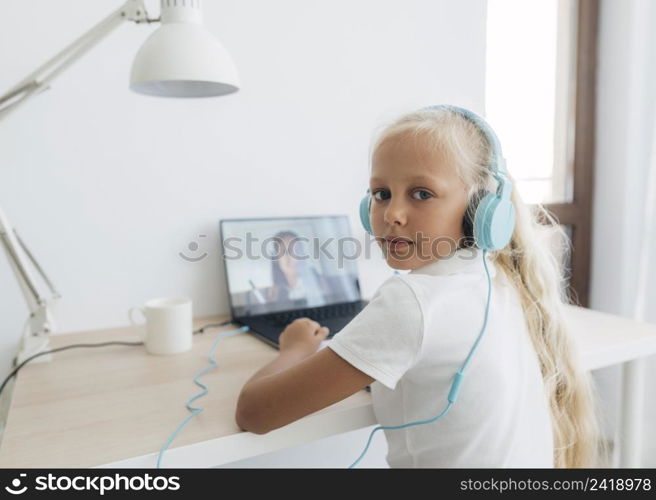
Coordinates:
416 333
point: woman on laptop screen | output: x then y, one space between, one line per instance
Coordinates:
293 277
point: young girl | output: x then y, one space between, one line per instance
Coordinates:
523 402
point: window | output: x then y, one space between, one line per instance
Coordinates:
540 89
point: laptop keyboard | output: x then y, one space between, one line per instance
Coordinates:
316 313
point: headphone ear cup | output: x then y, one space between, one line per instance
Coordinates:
468 219
364 213
494 222
482 221
502 224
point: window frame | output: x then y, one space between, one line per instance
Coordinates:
577 214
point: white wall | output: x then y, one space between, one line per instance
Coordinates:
106 187
626 106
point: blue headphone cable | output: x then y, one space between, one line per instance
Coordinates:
455 386
453 393
195 411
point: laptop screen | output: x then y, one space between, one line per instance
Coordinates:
281 264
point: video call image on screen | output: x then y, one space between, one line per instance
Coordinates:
280 264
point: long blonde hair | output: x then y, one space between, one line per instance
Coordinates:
534 271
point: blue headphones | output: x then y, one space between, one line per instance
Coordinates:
494 219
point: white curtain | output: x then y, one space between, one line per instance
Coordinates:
623 277
645 301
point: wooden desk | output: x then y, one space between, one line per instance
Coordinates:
105 406
116 406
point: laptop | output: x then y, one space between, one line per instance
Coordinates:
279 269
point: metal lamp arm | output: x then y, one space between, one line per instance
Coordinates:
37 81
40 321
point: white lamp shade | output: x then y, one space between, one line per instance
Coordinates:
183 60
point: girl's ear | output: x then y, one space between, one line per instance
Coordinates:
468 219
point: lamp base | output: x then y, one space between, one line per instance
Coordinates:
31 345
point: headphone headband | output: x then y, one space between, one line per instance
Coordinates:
498 163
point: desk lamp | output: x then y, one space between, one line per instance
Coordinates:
180 59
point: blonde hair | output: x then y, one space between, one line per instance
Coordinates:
534 271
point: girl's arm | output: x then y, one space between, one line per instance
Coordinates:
298 382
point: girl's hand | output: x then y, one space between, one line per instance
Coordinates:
303 335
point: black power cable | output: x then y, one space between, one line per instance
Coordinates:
102 344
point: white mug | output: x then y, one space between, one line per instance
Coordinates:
169 325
